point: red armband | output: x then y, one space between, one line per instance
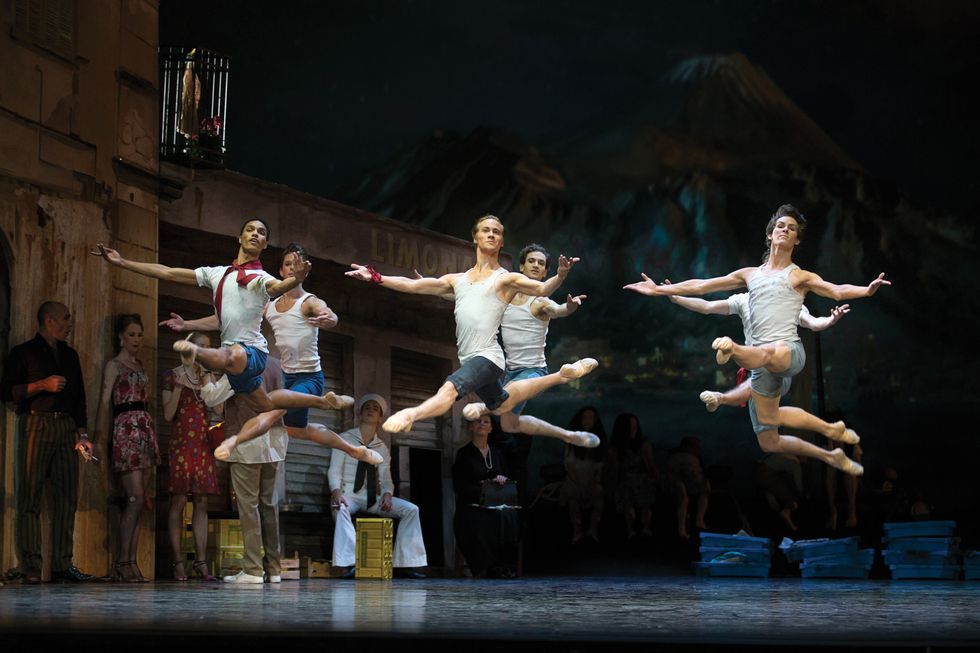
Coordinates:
375 275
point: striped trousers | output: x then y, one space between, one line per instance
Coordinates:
46 461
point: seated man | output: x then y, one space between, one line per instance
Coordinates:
357 486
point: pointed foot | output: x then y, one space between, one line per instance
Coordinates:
723 347
582 439
579 368
840 461
332 400
186 349
473 412
400 422
711 400
224 450
369 456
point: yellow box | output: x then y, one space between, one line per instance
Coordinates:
375 537
316 569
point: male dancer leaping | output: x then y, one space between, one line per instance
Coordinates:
481 294
524 331
240 293
295 318
776 292
740 394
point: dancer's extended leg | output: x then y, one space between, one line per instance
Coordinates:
528 425
253 428
221 359
737 396
798 418
775 356
437 404
322 435
521 390
292 399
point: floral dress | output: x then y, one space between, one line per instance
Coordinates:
134 439
191 461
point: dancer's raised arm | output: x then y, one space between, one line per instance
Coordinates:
731 281
276 288
807 321
810 281
424 286
154 270
552 310
702 306
178 324
517 282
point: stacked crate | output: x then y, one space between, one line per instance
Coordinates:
375 537
922 549
838 558
734 555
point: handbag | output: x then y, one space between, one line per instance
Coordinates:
493 494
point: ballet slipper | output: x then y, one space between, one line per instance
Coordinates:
711 400
579 368
582 439
400 422
223 451
186 349
724 348
843 434
369 456
473 412
336 401
840 461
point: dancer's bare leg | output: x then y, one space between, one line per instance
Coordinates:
798 418
253 428
767 409
437 404
292 399
322 435
774 356
528 425
735 397
524 389
221 359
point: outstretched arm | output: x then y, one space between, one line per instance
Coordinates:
813 283
731 281
424 286
807 321
155 270
518 283
275 288
318 314
702 306
178 324
547 309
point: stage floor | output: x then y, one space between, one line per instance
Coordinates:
676 612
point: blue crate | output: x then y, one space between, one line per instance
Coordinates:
925 572
736 542
832 570
732 570
755 556
807 549
945 545
913 557
919 529
862 558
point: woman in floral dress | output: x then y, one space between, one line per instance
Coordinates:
191 461
134 440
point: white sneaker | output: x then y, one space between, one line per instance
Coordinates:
273 579
241 578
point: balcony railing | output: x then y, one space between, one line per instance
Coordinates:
194 87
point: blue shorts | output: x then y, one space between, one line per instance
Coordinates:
251 377
770 384
481 376
523 373
309 383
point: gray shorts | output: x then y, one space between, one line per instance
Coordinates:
770 384
481 376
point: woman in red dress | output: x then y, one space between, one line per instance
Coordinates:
134 441
191 461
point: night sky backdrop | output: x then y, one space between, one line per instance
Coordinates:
342 99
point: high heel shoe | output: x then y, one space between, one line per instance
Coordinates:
202 570
119 575
173 566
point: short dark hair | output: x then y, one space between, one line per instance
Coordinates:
295 248
45 309
786 211
268 232
534 247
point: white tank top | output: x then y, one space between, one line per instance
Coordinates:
774 307
478 313
295 338
524 336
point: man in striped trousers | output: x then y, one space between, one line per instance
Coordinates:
44 379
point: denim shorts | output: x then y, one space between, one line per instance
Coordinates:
770 384
251 377
309 383
481 376
523 373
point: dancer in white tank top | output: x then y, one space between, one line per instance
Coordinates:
481 294
739 305
524 331
295 318
774 289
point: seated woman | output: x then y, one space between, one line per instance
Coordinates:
487 537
